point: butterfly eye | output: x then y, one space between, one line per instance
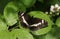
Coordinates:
31 22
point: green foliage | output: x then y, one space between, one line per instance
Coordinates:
21 34
4 34
11 12
28 3
58 22
3 25
49 36
55 2
53 34
11 28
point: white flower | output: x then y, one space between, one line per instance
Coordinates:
54 8
46 12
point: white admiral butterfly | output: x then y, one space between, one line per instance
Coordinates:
31 22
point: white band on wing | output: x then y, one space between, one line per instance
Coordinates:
24 20
35 24
42 21
22 14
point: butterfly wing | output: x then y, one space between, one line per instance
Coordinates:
31 22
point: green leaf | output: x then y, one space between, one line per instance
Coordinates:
41 15
58 22
54 33
21 34
3 25
4 34
11 12
28 3
50 36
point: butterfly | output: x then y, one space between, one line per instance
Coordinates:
30 22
